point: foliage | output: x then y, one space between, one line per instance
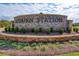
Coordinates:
51 29
48 31
69 30
76 29
35 48
22 30
33 44
61 31
43 48
26 48
6 29
40 29
4 23
32 30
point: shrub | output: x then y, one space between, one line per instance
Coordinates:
51 29
36 30
26 48
19 47
27 44
35 48
6 29
17 29
69 30
40 44
61 31
14 44
40 29
9 30
33 44
76 29
32 30
43 48
22 30
48 31
12 29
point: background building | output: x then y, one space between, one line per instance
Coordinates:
43 21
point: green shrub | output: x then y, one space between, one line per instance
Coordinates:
69 30
17 29
14 44
39 44
6 29
27 44
48 31
32 30
27 48
51 29
22 30
61 31
33 44
40 29
35 48
36 30
13 29
76 29
43 48
9 30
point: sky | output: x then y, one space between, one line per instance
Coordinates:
64 7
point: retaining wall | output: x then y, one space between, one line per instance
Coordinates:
40 39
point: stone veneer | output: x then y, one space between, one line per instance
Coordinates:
56 38
42 21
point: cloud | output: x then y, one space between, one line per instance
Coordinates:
66 7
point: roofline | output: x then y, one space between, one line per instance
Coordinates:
39 14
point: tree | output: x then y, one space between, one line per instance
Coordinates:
5 23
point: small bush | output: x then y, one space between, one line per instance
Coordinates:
6 29
27 48
32 30
9 29
35 48
48 31
61 31
76 29
43 48
36 31
33 44
22 30
40 29
51 29
69 30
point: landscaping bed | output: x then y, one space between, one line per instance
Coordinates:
37 49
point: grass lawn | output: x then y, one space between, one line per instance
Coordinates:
72 54
1 54
75 26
